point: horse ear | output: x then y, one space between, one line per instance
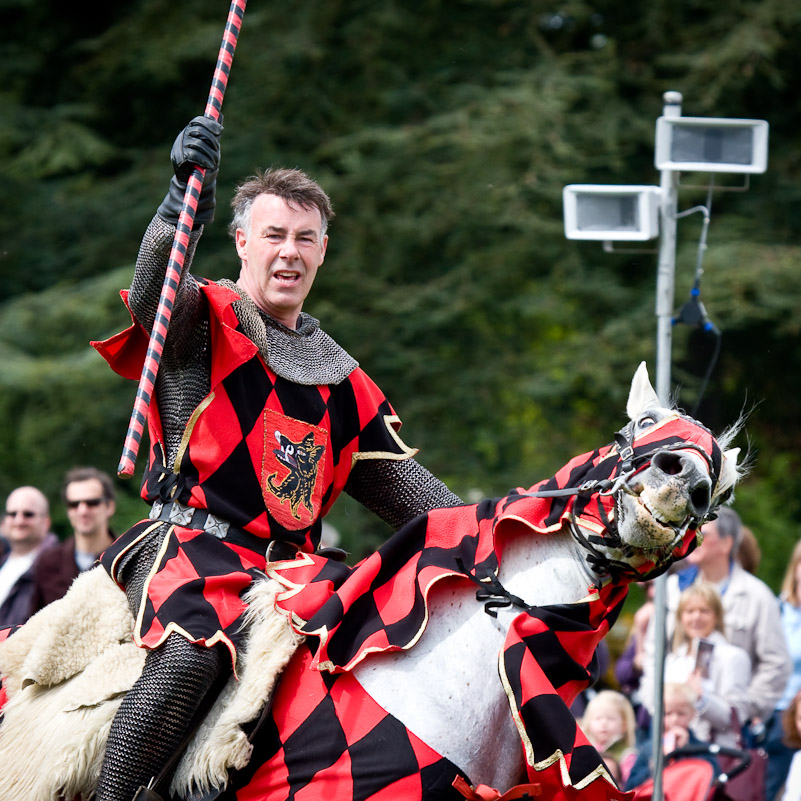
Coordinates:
729 474
642 396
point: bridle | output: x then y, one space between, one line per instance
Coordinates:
631 463
495 595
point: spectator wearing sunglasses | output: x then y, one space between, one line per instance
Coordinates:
26 527
89 496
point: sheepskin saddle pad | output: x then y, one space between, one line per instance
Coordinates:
67 669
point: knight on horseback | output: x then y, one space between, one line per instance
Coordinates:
410 683
242 368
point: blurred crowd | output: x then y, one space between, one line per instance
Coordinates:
731 679
35 566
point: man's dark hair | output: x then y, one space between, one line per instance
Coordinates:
293 186
84 474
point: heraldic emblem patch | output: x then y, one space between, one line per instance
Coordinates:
291 482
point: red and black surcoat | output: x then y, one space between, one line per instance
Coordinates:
265 454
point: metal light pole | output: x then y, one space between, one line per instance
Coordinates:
665 281
612 213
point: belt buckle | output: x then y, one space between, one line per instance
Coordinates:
273 545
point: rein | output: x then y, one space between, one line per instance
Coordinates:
631 465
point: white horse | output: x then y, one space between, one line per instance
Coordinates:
636 509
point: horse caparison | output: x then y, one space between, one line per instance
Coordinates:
414 683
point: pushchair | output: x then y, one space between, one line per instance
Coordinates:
689 777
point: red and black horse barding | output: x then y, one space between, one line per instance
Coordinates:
409 688
443 665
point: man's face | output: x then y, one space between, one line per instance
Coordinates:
714 550
26 521
280 256
87 509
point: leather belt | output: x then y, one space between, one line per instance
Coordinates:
180 514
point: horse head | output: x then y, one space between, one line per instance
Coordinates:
637 504
682 475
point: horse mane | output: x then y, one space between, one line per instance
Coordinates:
735 469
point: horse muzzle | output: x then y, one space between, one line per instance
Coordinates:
661 500
689 470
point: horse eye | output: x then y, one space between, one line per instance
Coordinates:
646 421
724 497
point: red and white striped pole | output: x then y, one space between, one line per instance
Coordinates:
186 219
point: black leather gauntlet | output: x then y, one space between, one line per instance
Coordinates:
198 145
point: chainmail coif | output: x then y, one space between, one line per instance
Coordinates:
306 355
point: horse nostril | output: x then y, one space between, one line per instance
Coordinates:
669 463
701 497
700 489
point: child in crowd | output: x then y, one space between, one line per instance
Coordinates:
679 710
609 725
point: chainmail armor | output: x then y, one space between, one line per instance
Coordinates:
305 356
397 491
156 714
160 707
184 376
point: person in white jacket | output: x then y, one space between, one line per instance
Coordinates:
752 618
718 672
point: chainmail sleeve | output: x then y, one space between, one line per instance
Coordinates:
184 375
397 491
151 266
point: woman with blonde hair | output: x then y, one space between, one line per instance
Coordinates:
790 602
702 657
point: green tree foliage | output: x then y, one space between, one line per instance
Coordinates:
444 133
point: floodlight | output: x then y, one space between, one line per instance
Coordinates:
611 213
705 144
